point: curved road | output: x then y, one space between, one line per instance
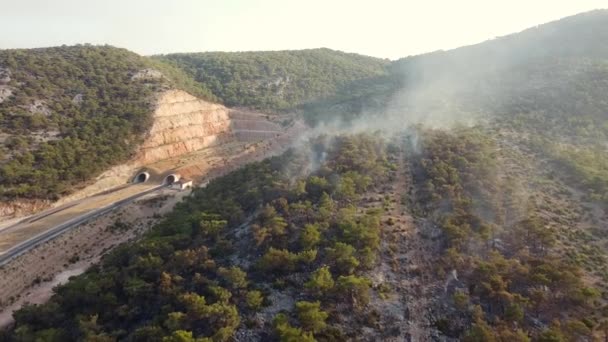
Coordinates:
59 229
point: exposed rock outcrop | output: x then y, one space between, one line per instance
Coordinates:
77 99
39 107
5 76
183 124
5 92
20 208
147 74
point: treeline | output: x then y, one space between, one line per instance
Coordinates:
276 80
221 260
510 285
74 111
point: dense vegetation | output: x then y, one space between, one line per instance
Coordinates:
510 281
73 112
262 232
277 80
548 80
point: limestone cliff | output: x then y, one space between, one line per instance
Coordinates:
183 124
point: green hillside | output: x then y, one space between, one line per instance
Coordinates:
553 76
276 80
71 112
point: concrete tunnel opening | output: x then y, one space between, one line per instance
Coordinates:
141 177
170 179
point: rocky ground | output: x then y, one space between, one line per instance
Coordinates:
403 280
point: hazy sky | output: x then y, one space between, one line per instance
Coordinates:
383 28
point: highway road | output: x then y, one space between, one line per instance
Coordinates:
50 233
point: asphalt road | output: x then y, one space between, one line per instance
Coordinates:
51 233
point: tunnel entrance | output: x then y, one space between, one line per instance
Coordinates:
141 177
170 179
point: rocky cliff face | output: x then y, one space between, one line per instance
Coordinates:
183 124
19 208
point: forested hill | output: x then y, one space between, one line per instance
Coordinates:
544 87
277 80
67 113
554 73
579 36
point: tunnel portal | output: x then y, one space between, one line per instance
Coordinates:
141 177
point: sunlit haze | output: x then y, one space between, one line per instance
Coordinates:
382 28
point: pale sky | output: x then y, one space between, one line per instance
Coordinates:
382 28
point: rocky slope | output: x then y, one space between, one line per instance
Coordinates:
183 124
